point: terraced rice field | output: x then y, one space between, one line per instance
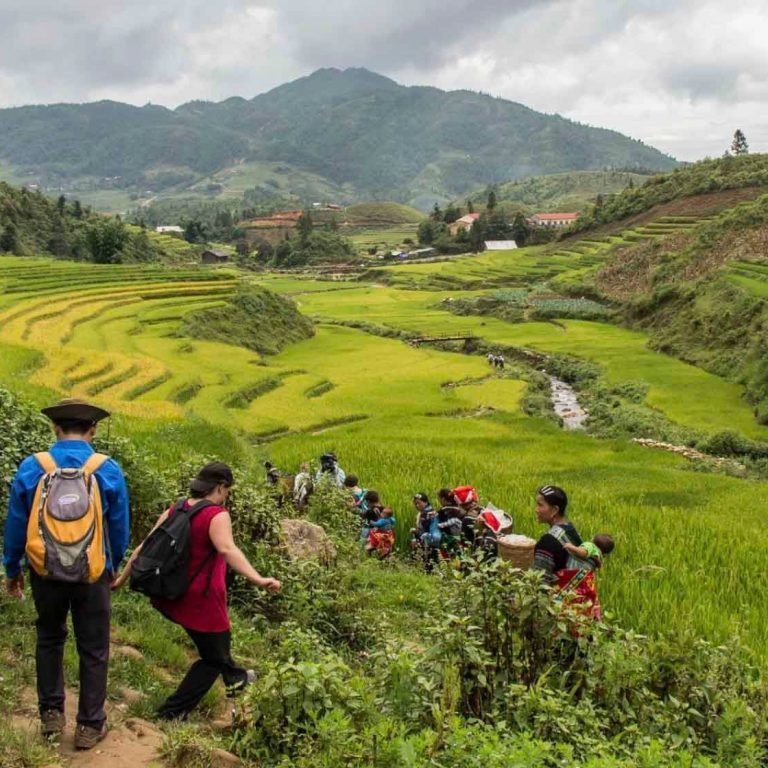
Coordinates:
623 354
410 419
563 262
751 276
384 239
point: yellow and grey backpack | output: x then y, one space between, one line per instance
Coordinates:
65 533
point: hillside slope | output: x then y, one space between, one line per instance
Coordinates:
701 290
352 127
560 191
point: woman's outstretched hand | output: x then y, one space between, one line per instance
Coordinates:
271 585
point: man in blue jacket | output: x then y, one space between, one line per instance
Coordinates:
74 423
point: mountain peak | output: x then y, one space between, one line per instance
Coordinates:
357 75
330 84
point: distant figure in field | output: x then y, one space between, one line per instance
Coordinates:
500 361
469 509
449 520
561 569
370 511
424 511
302 487
273 473
282 484
330 469
381 538
356 493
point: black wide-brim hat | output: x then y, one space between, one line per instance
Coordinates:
72 408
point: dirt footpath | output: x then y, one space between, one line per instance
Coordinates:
130 743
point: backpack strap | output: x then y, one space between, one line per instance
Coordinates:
46 462
94 463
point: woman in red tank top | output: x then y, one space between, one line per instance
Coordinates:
202 610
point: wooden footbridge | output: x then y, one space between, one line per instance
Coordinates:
438 337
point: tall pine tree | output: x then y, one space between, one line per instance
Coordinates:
739 144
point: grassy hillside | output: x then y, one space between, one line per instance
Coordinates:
702 295
381 215
31 223
348 133
730 173
572 191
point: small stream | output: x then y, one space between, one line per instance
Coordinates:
566 404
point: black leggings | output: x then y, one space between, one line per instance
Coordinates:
215 659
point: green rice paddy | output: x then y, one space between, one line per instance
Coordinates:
692 548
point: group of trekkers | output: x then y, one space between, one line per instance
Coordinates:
459 526
68 518
496 360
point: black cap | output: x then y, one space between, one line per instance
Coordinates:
421 497
210 476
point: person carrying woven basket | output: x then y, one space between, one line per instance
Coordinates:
562 570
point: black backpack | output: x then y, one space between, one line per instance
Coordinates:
162 567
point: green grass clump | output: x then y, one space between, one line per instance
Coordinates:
256 319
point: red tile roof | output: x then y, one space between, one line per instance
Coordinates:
555 216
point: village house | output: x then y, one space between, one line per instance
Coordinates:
214 256
169 230
463 224
274 229
500 245
552 219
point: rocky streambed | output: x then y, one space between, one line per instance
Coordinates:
566 404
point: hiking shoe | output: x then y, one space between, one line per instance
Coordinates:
87 737
52 722
235 688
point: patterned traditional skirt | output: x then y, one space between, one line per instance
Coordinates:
381 542
579 588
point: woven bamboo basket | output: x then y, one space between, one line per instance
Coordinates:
516 549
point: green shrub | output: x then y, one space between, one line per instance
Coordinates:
23 431
298 697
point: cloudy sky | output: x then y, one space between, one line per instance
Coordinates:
678 74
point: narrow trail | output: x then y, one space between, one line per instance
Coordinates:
130 743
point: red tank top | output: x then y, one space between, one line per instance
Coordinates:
203 607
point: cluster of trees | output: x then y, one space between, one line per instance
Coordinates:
493 223
309 244
206 221
31 223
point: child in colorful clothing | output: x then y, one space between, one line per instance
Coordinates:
592 552
381 538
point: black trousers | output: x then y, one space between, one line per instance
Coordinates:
215 659
91 608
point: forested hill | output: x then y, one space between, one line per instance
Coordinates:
354 128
